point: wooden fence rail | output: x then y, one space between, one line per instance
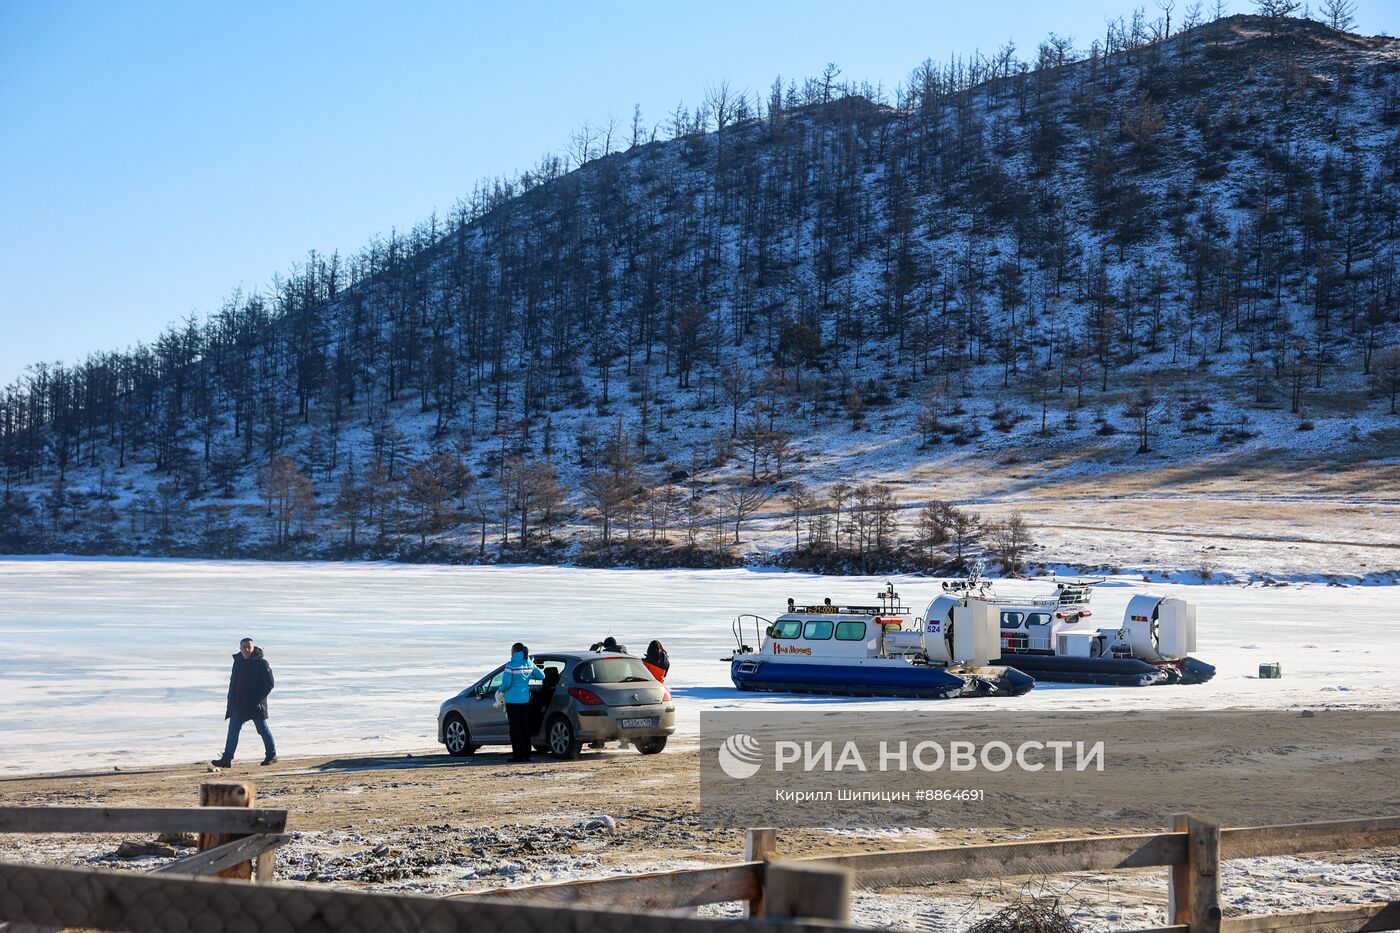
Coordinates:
1361 918
222 857
141 820
115 900
1299 838
1011 859
665 890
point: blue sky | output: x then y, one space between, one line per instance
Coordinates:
155 156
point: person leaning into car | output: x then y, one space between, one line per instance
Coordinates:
515 684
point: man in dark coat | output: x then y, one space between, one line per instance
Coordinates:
248 687
608 645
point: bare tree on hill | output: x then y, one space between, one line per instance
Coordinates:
739 501
1276 11
289 497
1010 542
1339 14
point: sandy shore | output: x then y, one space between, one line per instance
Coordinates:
450 824
428 823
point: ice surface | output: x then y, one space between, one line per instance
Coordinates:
125 663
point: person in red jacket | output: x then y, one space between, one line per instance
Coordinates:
657 660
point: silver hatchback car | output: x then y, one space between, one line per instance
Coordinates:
586 697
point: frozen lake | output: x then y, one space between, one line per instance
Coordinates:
125 663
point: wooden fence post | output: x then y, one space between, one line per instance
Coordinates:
265 864
806 892
1178 887
1203 854
1195 886
759 846
228 794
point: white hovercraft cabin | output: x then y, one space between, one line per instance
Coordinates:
868 651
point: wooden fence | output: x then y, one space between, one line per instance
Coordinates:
1192 849
233 835
46 898
800 895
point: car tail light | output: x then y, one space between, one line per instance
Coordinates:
585 696
665 694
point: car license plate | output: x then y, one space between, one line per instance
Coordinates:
646 723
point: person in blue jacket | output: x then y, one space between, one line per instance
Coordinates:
515 684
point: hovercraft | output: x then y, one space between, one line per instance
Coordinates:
1050 638
867 651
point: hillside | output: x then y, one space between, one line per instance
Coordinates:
1163 268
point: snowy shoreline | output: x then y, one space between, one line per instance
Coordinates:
760 562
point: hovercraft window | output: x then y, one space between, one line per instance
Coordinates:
1038 618
787 628
817 630
1012 619
850 631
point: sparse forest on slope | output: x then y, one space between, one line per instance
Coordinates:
1172 245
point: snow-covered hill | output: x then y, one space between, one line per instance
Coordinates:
1157 254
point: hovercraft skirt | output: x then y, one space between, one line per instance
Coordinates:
855 680
1109 672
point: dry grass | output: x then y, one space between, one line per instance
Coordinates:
1028 915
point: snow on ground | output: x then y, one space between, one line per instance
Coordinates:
1235 536
125 663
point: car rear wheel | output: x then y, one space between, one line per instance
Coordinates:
457 737
652 746
562 743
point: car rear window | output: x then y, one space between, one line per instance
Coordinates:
612 671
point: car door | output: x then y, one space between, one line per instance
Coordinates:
549 695
487 723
